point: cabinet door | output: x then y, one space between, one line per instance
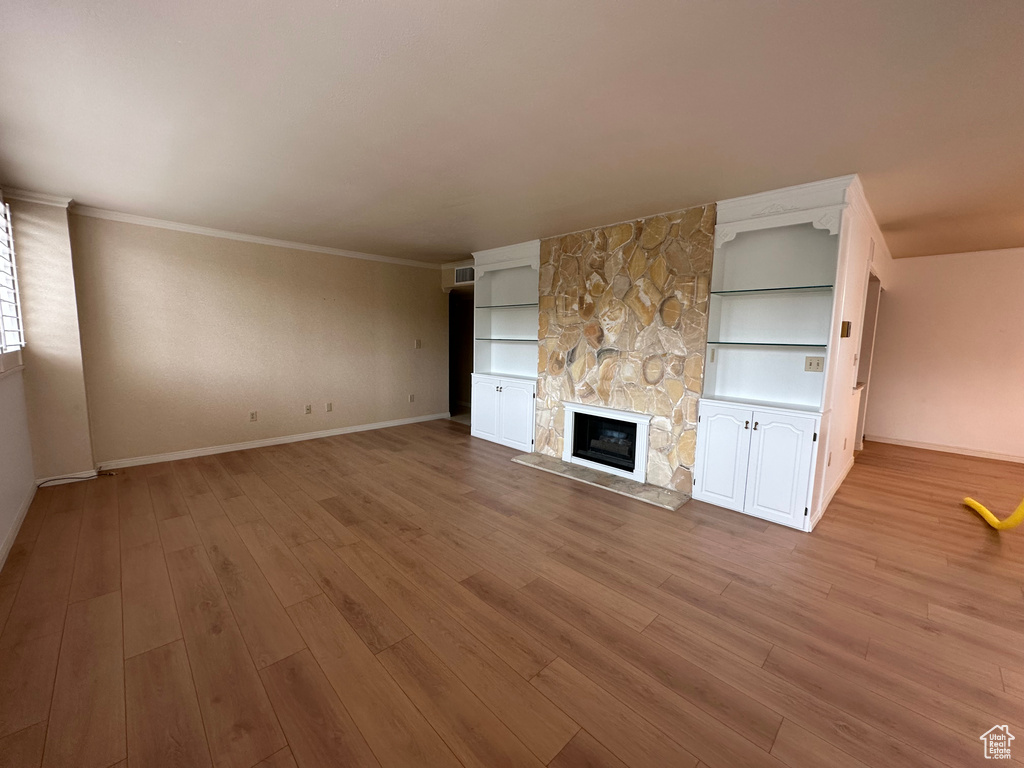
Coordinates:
484 413
723 444
781 451
515 414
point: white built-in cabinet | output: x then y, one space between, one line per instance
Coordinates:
757 461
775 436
503 410
505 346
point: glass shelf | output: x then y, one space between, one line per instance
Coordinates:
764 344
509 306
788 289
520 341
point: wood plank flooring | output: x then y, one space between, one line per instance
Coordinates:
411 598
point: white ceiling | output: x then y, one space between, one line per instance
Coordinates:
430 128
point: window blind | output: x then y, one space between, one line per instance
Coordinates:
12 332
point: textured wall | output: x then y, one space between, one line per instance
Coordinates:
623 323
58 414
184 334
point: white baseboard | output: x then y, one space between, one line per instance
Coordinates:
946 449
5 548
194 452
827 498
75 477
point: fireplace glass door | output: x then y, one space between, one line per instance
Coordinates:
607 441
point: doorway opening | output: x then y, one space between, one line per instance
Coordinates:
460 352
867 351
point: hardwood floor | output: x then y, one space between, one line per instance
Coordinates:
410 597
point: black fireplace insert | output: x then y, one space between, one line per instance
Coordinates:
607 441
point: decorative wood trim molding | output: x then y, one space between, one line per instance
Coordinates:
143 221
519 255
194 452
484 268
774 208
27 196
816 194
828 217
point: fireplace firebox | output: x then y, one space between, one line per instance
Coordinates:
607 441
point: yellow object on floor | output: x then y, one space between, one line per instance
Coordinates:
1000 525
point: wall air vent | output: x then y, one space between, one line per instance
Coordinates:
463 275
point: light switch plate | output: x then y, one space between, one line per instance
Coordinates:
814 364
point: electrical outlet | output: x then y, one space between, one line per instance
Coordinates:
309 409
412 398
814 364
253 416
330 407
417 344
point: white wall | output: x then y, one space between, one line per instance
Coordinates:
949 354
17 481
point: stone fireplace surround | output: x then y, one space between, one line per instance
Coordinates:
623 325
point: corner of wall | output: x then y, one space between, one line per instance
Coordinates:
55 396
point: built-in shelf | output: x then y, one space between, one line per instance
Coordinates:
786 289
509 306
526 341
764 344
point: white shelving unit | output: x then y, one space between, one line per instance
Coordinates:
771 307
506 301
786 311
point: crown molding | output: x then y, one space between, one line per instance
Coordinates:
27 196
144 221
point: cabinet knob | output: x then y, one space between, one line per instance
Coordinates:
755 425
747 425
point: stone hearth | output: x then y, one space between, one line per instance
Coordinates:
650 494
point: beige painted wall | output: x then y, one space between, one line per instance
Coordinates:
949 357
184 335
54 384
